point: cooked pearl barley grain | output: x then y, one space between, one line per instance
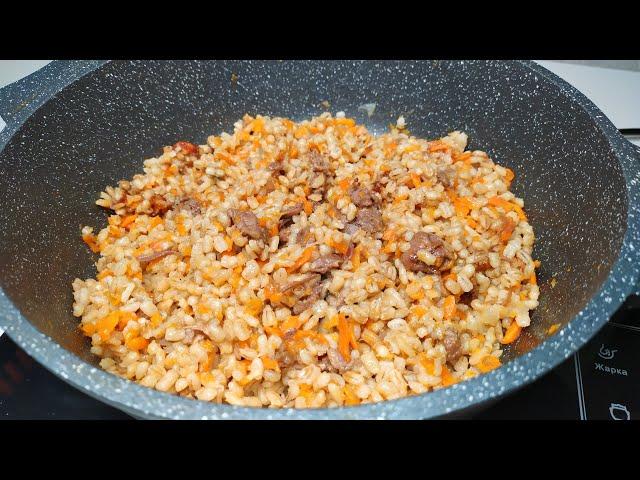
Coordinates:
309 264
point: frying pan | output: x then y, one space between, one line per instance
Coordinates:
75 127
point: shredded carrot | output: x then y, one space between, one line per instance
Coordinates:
462 157
291 323
537 263
411 148
463 206
154 222
344 337
106 325
128 220
124 318
308 206
510 175
447 377
272 295
508 226
90 240
350 398
533 280
137 343
427 363
155 319
330 322
415 180
270 364
273 331
344 184
511 333
355 259
488 363
449 307
472 223
300 132
254 306
507 206
349 122
389 235
202 309
273 231
438 146
553 329
340 247
304 258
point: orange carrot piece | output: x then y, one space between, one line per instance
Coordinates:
488 363
449 307
304 258
344 337
511 333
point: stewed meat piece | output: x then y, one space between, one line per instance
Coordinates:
247 223
433 244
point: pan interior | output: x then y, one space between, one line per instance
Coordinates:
100 128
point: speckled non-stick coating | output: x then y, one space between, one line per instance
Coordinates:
579 179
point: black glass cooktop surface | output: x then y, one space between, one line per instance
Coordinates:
601 381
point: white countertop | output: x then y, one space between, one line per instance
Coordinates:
616 92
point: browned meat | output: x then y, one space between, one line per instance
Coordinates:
336 360
291 211
483 264
284 233
268 187
467 297
159 205
446 176
191 333
435 245
302 237
319 162
189 204
309 300
247 223
284 356
187 147
150 257
452 345
325 263
309 278
369 219
350 228
361 196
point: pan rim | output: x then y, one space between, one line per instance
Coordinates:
149 403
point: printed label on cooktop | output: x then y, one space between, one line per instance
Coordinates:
609 374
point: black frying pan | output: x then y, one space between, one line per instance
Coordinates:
75 127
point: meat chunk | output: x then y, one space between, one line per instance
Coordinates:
361 196
159 205
336 361
284 234
187 147
302 237
325 263
268 187
369 219
452 345
291 211
433 244
319 162
247 223
307 301
446 176
150 257
190 204
311 280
